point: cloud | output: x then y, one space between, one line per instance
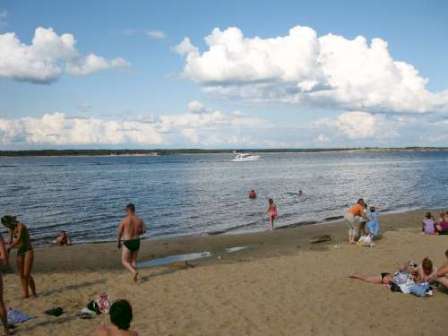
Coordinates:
57 129
48 57
303 68
198 126
156 34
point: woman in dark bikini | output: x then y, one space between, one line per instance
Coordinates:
20 239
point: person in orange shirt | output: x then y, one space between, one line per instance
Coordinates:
354 217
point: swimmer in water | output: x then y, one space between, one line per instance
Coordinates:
252 194
129 231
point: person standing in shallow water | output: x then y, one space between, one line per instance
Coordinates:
129 231
20 239
272 213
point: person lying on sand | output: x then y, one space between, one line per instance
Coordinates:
417 273
62 239
20 239
129 231
121 317
442 273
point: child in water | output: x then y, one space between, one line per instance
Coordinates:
272 213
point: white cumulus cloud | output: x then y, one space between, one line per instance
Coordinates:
303 68
198 126
57 129
48 57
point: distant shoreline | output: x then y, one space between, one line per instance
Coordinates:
159 152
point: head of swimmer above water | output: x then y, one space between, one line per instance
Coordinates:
130 209
10 222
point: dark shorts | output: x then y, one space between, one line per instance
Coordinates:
132 245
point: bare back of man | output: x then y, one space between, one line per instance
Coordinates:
129 231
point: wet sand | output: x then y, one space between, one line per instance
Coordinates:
280 285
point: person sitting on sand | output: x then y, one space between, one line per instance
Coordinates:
252 194
442 225
20 239
129 231
354 217
373 225
3 312
428 224
121 317
272 213
442 273
426 271
62 239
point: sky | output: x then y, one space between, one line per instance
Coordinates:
223 74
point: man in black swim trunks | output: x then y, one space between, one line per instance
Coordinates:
129 231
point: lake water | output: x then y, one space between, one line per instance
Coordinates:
196 194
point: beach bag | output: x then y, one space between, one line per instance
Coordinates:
366 241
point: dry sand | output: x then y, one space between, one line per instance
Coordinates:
282 285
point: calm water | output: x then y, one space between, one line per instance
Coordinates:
192 194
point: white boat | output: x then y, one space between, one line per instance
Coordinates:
245 157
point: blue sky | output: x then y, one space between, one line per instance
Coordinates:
144 93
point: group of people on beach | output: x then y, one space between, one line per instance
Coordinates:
363 222
129 231
430 226
412 277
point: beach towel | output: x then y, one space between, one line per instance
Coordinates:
421 289
404 281
16 316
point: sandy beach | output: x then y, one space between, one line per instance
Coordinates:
280 285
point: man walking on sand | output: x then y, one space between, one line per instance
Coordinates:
129 231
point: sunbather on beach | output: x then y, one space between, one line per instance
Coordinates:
3 313
121 317
129 231
387 278
272 212
20 239
442 273
426 271
442 224
428 224
354 217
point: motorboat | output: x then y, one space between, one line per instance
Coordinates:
245 157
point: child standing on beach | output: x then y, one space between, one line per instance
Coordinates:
373 225
272 213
